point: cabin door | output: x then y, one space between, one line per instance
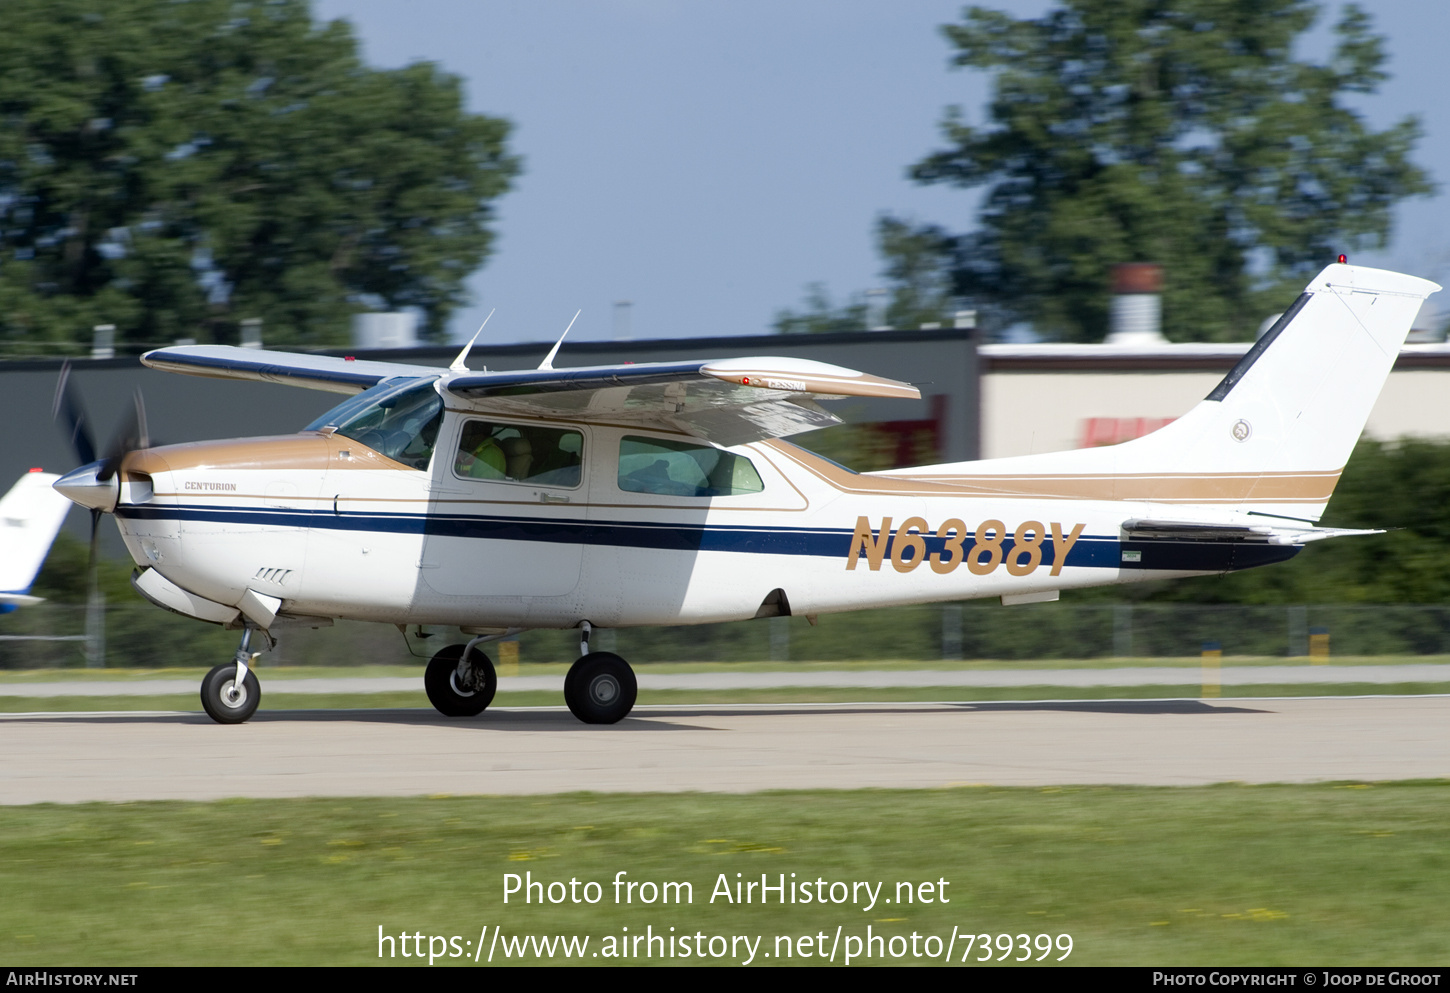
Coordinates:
507 510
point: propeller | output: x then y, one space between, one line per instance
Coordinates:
131 435
94 485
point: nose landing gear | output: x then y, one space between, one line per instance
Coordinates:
230 692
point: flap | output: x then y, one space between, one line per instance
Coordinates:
729 402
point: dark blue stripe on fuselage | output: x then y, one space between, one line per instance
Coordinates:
1089 552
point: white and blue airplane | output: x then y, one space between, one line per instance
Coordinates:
31 515
661 493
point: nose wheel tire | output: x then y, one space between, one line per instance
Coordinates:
459 688
223 700
600 688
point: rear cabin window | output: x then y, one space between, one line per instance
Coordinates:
519 453
679 468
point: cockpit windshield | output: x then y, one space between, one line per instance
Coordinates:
396 418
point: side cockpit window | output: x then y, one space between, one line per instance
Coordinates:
677 468
519 453
399 420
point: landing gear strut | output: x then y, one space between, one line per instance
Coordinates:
600 687
230 692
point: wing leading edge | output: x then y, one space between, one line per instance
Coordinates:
331 373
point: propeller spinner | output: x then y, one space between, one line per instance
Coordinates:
96 485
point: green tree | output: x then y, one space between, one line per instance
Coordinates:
1403 488
1174 131
821 315
173 168
918 285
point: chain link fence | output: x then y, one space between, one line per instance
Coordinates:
142 636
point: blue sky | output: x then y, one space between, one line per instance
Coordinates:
706 159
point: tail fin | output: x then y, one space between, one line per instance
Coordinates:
1272 437
30 515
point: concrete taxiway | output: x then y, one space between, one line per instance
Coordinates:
1264 675
141 756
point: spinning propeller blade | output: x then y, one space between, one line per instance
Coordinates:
68 406
130 437
94 485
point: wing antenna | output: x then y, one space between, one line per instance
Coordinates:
458 365
548 362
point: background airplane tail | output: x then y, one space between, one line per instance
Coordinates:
30 516
1272 437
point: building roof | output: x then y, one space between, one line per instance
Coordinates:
1174 356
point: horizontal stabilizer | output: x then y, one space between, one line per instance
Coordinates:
1268 534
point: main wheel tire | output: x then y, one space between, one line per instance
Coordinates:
458 689
600 688
223 701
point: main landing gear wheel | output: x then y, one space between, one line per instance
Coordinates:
600 688
223 700
459 688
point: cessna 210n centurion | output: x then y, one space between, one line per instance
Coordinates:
661 494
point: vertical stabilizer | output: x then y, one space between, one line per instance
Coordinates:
30 516
1272 437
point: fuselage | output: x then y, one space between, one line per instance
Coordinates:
630 526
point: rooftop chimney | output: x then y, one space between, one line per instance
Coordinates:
1137 308
103 341
252 332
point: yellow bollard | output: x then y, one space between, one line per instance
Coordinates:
508 658
1318 646
1212 657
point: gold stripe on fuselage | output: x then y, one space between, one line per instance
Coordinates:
1267 487
309 450
320 452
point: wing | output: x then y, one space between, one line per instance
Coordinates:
332 373
727 401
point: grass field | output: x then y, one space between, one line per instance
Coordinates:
1344 874
1347 874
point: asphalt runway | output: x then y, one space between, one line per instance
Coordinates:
66 758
